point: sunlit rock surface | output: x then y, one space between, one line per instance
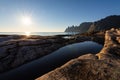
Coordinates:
103 66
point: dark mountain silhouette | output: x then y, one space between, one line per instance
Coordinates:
106 23
83 27
100 25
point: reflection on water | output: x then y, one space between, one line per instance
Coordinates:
47 63
27 34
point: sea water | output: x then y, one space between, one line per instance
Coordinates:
38 33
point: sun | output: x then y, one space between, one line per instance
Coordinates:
26 20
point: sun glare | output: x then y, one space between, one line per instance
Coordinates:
27 33
26 20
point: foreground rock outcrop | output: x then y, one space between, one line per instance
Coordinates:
102 66
16 51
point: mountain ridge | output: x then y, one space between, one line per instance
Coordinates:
112 21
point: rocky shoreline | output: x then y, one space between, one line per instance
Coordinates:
101 66
17 50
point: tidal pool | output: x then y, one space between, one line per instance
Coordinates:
38 67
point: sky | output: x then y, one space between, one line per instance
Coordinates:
52 15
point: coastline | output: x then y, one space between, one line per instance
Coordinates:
18 49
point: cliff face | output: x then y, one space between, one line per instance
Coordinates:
83 27
101 66
100 25
106 23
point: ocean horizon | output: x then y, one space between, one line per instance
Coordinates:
38 33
